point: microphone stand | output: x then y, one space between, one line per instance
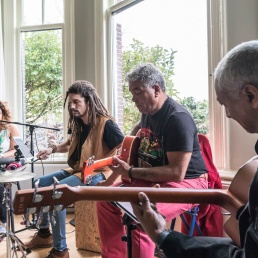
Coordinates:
31 130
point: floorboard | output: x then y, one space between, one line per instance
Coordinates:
27 234
40 253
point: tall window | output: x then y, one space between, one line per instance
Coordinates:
172 34
41 68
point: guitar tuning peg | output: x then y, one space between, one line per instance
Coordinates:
58 207
53 218
91 160
27 215
26 219
57 194
88 179
36 184
39 219
56 182
37 197
46 208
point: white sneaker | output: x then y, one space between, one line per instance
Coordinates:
2 229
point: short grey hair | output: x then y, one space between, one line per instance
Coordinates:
148 74
238 68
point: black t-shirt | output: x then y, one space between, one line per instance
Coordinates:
172 128
112 137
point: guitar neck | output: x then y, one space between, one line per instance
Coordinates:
126 194
89 168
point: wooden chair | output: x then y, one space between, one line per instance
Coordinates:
239 188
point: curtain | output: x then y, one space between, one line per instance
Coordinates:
2 76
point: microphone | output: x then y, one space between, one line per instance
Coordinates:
7 161
16 164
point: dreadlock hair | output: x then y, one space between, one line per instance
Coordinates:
96 107
6 114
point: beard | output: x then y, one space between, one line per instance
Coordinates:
77 114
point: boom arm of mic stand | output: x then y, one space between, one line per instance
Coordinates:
31 129
35 126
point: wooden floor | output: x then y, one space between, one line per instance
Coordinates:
40 253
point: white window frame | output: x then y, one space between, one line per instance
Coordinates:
12 55
217 49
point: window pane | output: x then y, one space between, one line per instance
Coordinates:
172 34
54 11
42 80
32 12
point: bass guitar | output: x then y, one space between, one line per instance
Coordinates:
128 154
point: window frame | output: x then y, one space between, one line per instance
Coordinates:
102 47
12 54
216 49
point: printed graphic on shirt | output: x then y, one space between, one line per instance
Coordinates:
151 153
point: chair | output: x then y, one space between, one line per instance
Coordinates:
189 227
209 219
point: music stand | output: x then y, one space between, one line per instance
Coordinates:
31 129
23 148
130 221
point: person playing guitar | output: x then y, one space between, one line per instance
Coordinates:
168 154
93 131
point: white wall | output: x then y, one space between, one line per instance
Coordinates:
242 25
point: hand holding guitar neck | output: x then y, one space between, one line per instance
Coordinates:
128 154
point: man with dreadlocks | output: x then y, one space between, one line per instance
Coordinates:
93 131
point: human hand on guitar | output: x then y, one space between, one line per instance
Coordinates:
150 219
120 167
128 155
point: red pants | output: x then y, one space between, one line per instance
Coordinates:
111 229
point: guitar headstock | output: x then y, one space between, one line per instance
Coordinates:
90 165
46 197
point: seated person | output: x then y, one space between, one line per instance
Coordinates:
93 132
237 90
7 150
169 154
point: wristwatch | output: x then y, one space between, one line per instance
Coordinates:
162 236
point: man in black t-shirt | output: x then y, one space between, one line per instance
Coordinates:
236 85
169 154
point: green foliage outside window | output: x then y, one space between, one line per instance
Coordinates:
164 60
43 80
43 76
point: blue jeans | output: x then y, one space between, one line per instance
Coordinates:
59 229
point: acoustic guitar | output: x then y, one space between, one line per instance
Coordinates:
128 154
67 195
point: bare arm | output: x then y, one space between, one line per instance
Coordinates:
174 171
60 148
13 132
